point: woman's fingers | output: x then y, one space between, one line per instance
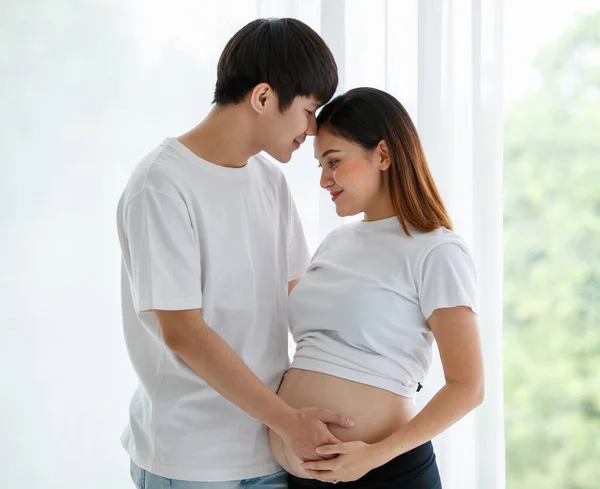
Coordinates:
321 475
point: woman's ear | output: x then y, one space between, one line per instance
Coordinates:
385 159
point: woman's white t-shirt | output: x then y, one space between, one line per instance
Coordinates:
361 310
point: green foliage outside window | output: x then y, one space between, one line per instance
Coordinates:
552 269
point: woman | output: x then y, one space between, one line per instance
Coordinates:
375 296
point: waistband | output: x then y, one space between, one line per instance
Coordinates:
416 469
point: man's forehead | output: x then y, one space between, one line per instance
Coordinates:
311 99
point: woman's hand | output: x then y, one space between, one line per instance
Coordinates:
309 429
352 460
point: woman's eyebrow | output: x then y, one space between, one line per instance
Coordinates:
325 153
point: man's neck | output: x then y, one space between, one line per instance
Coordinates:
223 137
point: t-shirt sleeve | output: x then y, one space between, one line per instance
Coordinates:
298 254
164 251
447 278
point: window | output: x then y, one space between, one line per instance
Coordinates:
552 244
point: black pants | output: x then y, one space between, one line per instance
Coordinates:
416 469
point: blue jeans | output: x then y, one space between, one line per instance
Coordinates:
147 480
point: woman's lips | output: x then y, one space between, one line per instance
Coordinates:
335 195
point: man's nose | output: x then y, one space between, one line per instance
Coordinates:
311 130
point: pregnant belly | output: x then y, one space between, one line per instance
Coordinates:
376 412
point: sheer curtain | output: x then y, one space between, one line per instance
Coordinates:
90 87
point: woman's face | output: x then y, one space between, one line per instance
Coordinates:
355 177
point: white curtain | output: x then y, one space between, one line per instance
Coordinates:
459 117
90 87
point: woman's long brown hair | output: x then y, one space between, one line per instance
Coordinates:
366 116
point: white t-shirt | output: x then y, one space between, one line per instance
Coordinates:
361 310
227 240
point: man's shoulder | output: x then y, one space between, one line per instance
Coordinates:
157 171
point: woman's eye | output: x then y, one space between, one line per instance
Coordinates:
331 163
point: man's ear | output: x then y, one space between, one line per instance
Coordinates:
261 97
385 158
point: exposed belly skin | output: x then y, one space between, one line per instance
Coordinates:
376 412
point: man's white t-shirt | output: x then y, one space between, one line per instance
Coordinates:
228 240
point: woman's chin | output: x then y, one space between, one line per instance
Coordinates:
341 212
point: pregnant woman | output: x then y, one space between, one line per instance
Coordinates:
375 296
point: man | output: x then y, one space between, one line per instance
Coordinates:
212 244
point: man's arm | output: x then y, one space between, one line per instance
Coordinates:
186 333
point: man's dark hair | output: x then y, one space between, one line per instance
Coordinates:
285 53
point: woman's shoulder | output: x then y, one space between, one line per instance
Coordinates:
441 241
438 237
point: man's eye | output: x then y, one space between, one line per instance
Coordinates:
309 112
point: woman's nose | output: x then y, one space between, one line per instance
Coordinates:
326 179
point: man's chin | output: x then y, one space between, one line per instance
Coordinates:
281 157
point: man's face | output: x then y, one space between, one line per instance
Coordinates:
285 132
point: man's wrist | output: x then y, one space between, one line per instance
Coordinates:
282 419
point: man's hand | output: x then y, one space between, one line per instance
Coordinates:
309 431
186 333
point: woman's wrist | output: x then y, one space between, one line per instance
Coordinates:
382 452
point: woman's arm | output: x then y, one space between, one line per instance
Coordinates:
457 335
456 332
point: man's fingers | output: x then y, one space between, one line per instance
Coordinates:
334 418
334 449
331 439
